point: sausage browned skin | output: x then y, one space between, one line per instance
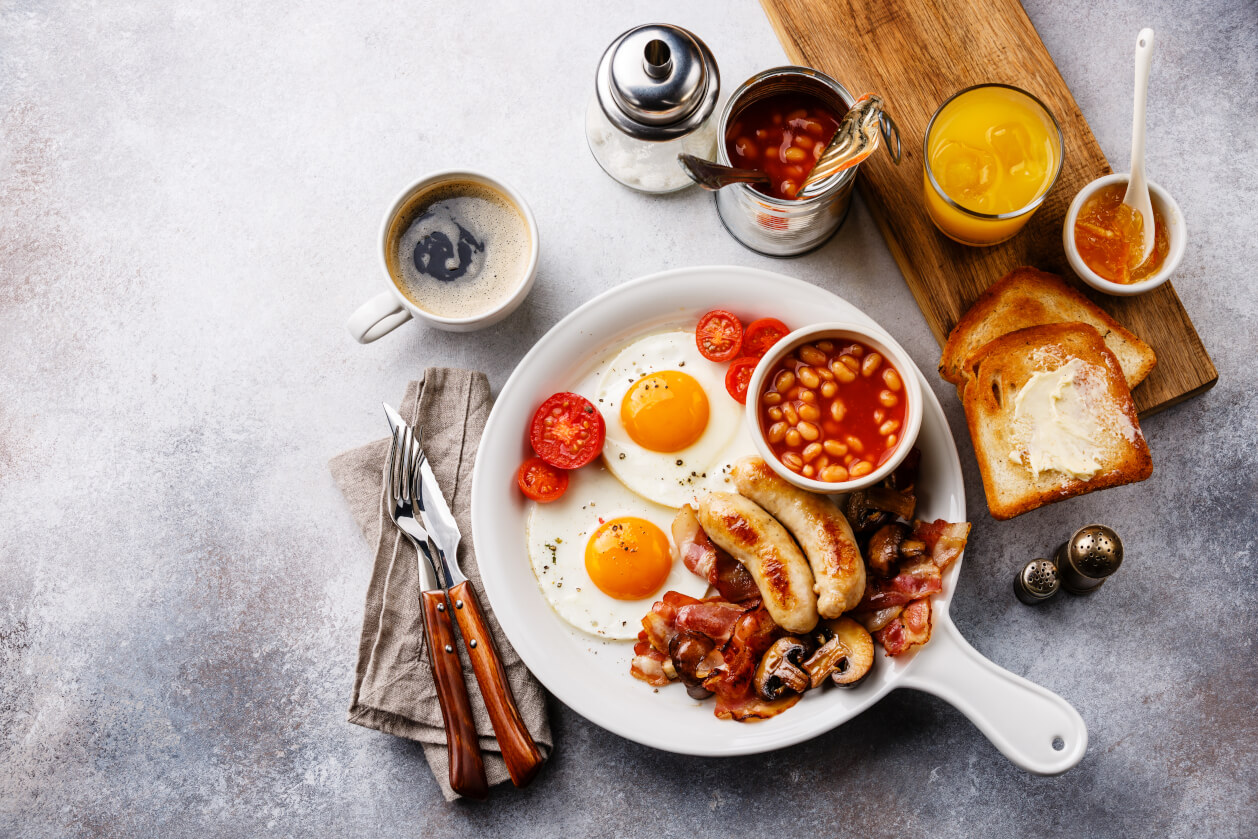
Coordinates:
755 539
819 527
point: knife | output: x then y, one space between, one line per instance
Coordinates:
519 751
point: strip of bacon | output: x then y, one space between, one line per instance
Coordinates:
736 698
648 664
945 540
909 585
693 545
714 618
753 635
751 707
660 623
910 629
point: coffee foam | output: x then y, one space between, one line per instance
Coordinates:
458 249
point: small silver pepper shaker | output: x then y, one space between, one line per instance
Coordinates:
1088 557
1036 582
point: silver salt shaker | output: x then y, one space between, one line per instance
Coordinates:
1036 582
1088 557
655 97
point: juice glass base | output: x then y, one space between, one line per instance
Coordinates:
967 229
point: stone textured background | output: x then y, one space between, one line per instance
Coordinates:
189 200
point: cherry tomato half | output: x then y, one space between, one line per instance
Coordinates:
567 431
541 481
738 377
719 335
762 334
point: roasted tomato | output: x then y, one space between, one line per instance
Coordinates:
541 481
719 335
567 431
762 334
738 377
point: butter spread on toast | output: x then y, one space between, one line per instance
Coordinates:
1055 429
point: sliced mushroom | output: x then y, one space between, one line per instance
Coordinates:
846 654
688 653
884 548
863 517
901 504
781 670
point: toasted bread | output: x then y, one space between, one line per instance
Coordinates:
1040 448
1029 297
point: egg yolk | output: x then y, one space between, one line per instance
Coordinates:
628 558
665 411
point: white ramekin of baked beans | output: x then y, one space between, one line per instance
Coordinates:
834 407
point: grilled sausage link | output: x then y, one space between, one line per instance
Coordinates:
819 527
755 539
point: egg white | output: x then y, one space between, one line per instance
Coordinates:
669 478
557 534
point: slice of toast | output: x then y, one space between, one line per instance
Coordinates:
1029 297
1050 441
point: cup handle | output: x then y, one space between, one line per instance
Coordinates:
1022 719
377 317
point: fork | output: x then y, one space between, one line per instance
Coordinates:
467 769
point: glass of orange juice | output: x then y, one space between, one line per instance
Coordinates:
992 153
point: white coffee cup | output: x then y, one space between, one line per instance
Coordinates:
390 309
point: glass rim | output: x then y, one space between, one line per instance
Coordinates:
1038 200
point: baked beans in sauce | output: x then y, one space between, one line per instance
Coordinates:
782 136
832 410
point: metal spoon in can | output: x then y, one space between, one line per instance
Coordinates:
713 176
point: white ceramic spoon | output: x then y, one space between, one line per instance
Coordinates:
1137 196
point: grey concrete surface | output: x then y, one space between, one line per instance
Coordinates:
189 200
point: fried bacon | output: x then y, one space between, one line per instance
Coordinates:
945 541
910 629
713 618
732 681
648 663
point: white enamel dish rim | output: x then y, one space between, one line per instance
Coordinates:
591 676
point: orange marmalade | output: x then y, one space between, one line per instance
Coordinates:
1110 237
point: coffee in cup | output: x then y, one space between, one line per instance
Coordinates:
458 249
461 252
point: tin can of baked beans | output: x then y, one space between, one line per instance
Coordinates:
783 226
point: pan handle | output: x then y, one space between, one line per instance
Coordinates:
1032 726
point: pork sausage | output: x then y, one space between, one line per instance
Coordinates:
755 539
819 527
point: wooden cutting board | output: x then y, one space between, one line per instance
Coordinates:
917 53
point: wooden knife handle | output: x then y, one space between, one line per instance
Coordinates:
467 770
519 752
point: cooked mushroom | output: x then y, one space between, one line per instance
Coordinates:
901 504
884 548
781 670
688 653
861 515
869 509
846 654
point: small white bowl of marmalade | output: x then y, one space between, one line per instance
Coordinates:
1103 238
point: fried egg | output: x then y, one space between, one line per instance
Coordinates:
602 556
668 417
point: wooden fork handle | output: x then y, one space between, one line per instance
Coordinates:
467 770
519 752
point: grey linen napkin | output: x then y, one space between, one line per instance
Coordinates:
393 687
